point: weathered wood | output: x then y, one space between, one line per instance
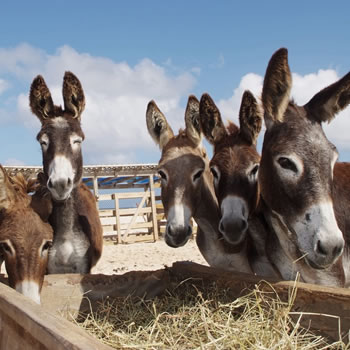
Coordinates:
71 294
127 195
117 218
27 325
95 189
154 209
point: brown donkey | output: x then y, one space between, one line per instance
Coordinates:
235 165
25 238
187 189
78 240
299 176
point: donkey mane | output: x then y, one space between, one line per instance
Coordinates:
22 186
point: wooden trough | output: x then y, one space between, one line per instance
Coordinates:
26 325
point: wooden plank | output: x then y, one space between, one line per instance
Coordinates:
105 197
117 218
127 195
71 293
107 212
154 209
27 325
136 226
95 190
132 211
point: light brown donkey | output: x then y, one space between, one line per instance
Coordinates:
187 189
25 238
78 240
301 183
235 165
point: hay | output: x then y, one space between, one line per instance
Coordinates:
189 317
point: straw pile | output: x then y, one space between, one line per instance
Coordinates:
189 317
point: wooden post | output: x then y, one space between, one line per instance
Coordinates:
95 188
117 217
154 209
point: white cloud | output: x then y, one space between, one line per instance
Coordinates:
116 97
303 89
4 85
13 162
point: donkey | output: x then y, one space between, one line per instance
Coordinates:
235 165
78 241
301 184
188 191
25 237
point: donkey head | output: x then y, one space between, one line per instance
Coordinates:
235 163
296 168
61 135
181 169
24 237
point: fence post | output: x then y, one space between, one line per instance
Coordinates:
154 209
117 217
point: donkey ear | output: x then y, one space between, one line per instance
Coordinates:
40 99
276 88
157 125
210 118
73 95
193 128
250 118
331 100
7 195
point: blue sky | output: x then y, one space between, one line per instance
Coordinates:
128 52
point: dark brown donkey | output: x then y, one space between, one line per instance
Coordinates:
25 238
188 191
235 165
296 180
78 241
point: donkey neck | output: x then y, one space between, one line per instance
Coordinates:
63 217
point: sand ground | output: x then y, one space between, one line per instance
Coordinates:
120 258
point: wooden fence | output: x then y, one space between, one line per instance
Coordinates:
142 220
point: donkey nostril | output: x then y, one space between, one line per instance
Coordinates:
69 181
337 250
244 225
221 226
169 230
49 183
321 249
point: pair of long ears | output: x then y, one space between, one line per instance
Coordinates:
160 130
41 102
250 119
276 93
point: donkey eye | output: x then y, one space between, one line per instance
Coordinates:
286 163
214 172
197 175
5 248
47 245
162 175
254 171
